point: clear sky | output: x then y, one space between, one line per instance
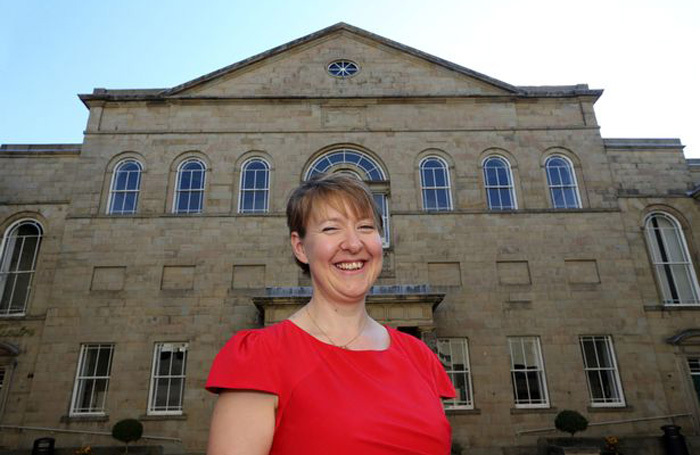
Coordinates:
644 54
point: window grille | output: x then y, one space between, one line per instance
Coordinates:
498 180
168 378
671 260
562 183
189 189
602 375
435 184
124 191
255 187
92 379
454 356
527 373
20 249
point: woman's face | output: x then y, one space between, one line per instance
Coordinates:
344 254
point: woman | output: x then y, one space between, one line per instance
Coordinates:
330 380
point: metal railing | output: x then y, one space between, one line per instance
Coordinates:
608 422
97 433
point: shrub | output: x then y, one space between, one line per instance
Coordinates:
570 422
126 431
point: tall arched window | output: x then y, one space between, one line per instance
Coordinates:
671 260
562 183
435 184
20 248
363 166
498 181
124 191
254 191
189 188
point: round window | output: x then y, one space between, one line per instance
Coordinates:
343 68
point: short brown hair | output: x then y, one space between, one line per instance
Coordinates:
338 191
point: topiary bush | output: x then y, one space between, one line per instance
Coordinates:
570 422
126 431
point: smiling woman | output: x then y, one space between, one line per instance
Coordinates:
330 379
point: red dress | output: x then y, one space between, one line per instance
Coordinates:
337 401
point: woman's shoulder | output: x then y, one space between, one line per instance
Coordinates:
264 337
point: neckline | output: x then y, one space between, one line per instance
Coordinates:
332 346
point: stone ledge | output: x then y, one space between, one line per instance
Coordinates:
85 418
158 417
608 409
551 410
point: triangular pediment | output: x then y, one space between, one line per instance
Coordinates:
299 69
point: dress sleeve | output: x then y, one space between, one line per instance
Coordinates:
246 362
442 380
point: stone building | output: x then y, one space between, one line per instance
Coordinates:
549 267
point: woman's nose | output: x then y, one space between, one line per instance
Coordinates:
352 241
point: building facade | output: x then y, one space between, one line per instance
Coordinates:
549 268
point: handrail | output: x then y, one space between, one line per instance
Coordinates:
99 433
609 422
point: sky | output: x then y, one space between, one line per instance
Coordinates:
644 54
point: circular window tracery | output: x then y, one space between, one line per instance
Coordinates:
343 68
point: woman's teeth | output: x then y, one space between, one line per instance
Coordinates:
350 265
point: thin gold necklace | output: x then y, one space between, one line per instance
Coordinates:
342 346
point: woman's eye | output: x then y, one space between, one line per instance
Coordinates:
329 229
367 227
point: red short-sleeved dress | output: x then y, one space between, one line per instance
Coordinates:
337 401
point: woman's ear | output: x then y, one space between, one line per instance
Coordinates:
298 247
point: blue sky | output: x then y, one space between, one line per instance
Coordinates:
643 53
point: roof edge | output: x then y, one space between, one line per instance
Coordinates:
643 143
327 31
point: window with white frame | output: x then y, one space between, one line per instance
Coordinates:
362 166
602 375
92 379
454 356
671 260
498 181
527 373
255 186
20 249
435 184
694 366
167 378
561 179
189 188
125 187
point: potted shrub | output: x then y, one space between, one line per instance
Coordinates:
126 431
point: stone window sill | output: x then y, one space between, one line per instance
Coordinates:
84 418
459 412
163 417
604 409
533 410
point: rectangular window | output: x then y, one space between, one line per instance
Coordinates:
92 379
167 378
382 202
694 365
527 373
600 365
454 355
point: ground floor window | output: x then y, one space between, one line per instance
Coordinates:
527 373
168 378
92 379
602 375
454 355
694 365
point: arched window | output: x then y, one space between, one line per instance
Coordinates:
670 257
562 183
255 187
498 181
362 166
435 184
20 248
124 191
189 189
